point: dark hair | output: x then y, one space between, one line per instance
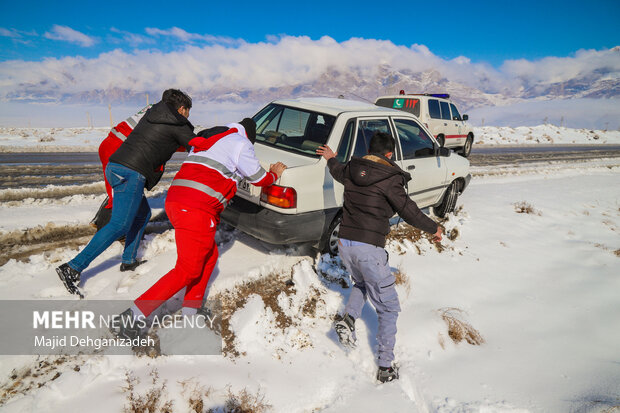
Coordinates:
176 99
250 128
381 143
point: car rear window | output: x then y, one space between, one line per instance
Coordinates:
293 129
433 109
411 105
445 111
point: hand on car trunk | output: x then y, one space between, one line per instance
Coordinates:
277 168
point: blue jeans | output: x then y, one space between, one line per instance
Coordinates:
373 280
130 214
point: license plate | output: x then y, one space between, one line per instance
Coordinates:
244 186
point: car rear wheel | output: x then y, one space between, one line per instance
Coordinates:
467 147
330 238
441 140
448 202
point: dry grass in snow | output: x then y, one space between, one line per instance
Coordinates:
458 328
525 208
270 289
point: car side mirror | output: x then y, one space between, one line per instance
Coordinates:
465 117
444 151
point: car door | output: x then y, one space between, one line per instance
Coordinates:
450 128
418 157
459 126
354 142
435 123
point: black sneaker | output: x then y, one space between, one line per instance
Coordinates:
70 278
345 328
387 374
128 326
132 266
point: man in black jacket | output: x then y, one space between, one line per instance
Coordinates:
373 192
137 164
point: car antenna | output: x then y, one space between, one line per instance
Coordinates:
361 98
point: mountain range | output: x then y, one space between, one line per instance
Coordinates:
356 84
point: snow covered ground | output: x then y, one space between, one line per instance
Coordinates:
87 139
543 134
532 266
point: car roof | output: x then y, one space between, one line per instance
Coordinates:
332 106
414 95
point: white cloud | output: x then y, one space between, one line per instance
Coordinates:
67 34
15 34
131 39
187 37
277 62
9 33
560 69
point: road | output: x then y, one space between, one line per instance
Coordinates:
38 170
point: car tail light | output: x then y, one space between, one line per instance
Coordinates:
280 196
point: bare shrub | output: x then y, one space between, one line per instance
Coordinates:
525 208
459 329
404 231
195 394
42 372
407 232
402 279
153 401
246 402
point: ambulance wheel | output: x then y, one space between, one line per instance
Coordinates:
441 140
467 147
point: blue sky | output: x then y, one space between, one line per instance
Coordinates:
483 31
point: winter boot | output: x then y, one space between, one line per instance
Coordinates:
387 374
132 266
128 326
345 328
70 278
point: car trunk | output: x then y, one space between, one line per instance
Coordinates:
268 155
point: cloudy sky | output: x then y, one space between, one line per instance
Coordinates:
483 31
64 47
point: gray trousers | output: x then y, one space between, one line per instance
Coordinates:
372 279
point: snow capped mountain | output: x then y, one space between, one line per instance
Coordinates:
363 84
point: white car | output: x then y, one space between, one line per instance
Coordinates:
439 115
305 204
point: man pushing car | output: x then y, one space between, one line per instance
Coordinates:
374 190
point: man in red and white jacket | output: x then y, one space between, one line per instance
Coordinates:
200 191
107 147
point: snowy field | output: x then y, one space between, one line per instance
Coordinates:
530 270
87 139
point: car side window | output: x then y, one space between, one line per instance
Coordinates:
345 143
455 113
433 109
414 141
445 111
365 130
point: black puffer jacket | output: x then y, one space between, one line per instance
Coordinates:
153 141
373 192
